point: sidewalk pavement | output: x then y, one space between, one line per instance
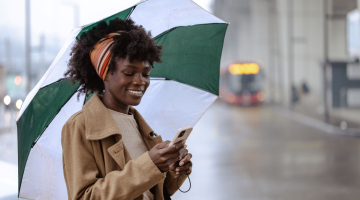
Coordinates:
342 121
8 180
8 164
336 116
348 114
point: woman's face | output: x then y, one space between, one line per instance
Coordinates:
128 83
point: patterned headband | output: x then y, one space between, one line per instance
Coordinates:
100 56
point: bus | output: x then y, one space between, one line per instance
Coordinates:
241 83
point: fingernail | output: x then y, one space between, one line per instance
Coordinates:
181 163
183 142
185 145
177 172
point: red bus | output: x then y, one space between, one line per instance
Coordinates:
242 83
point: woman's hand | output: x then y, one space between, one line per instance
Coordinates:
184 164
163 155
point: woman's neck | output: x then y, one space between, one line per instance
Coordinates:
110 102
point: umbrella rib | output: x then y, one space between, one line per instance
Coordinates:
168 79
192 86
164 33
61 79
131 12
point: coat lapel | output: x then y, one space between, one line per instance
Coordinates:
150 138
116 151
100 125
98 121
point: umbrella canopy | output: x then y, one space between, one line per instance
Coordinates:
181 89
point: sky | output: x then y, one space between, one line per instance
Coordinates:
56 17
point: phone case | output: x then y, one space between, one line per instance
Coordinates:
181 134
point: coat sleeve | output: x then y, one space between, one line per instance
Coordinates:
82 176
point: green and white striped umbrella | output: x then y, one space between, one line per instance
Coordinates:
181 89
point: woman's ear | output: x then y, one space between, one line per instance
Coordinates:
107 77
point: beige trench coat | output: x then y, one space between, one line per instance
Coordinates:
97 165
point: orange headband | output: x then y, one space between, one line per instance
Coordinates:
100 56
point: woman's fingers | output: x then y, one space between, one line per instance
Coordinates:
172 160
173 148
186 159
163 144
184 165
167 155
184 169
175 157
184 152
173 166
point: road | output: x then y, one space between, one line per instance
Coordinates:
252 153
260 153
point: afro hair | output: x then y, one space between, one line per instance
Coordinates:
135 43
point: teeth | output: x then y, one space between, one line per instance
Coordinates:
135 92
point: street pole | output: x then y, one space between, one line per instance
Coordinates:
41 49
280 67
358 4
326 62
271 51
76 16
76 12
291 49
28 45
8 53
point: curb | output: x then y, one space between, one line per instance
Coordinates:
318 124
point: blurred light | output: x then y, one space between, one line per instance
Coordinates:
7 100
343 125
245 68
18 80
230 98
260 96
19 104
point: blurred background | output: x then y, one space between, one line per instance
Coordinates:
287 124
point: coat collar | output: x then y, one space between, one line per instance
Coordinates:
100 124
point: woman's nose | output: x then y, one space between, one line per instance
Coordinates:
138 80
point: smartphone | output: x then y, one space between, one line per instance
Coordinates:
181 135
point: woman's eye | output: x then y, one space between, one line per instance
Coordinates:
146 75
128 74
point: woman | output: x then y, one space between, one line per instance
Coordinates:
109 151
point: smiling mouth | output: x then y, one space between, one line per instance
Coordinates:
138 93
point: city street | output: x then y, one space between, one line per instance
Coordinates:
249 153
258 153
293 66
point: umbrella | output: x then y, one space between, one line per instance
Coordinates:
181 90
